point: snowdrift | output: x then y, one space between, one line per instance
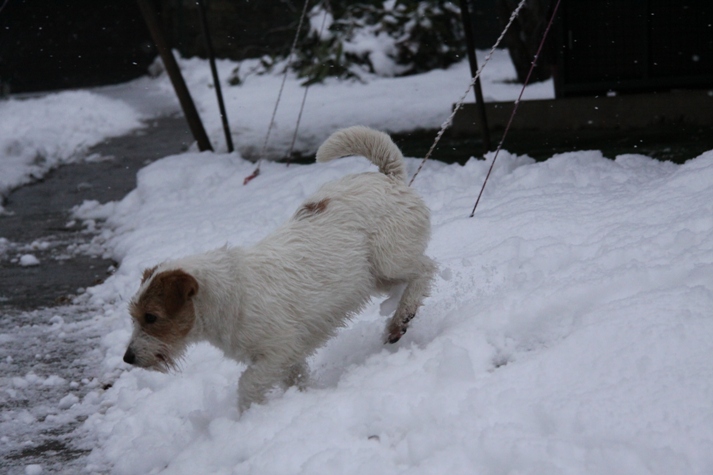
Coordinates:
569 329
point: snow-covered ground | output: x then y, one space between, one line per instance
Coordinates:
569 328
40 133
41 386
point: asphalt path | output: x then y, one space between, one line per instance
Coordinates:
48 345
38 219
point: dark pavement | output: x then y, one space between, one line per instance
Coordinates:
42 335
39 220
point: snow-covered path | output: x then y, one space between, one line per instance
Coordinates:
49 358
48 362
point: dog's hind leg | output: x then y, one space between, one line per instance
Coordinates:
416 290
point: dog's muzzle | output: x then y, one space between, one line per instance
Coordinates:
130 356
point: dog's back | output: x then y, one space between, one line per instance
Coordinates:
392 216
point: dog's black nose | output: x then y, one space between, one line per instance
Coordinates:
129 356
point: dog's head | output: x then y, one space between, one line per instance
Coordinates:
163 313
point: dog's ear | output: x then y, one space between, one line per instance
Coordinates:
179 287
147 274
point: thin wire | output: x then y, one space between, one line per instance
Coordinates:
279 95
517 103
458 106
2 7
304 97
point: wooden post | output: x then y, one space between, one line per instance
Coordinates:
473 61
174 73
214 71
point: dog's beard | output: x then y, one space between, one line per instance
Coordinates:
168 361
155 355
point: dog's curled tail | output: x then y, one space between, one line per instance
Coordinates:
372 144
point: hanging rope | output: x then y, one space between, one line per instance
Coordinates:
458 106
517 103
304 97
279 95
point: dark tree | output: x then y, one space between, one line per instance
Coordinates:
524 36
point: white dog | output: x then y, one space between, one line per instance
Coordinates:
272 305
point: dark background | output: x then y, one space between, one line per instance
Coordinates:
596 45
47 44
50 44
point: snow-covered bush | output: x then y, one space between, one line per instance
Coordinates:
386 38
393 38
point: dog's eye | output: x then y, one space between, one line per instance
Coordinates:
150 318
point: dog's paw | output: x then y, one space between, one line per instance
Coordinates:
395 335
398 328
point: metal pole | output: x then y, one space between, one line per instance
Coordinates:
174 73
214 70
473 61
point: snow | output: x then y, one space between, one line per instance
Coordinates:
568 330
41 133
38 134
35 377
384 103
68 401
33 469
28 260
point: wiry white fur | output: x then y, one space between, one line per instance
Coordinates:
359 140
273 304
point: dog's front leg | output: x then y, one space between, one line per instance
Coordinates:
256 381
297 376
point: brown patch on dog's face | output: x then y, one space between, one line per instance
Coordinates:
165 313
311 209
165 309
